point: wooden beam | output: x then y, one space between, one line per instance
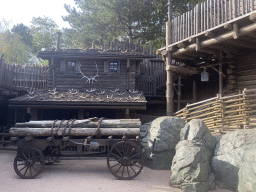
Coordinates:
219 39
182 45
192 40
220 75
252 17
182 70
210 34
235 31
198 45
228 26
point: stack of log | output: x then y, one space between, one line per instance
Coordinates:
86 127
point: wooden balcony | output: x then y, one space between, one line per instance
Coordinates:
213 26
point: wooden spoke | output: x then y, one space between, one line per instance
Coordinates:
33 161
131 155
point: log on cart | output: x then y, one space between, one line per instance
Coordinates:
43 143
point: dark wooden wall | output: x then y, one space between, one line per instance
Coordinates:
246 71
65 80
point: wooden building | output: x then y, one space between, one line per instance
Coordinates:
86 83
216 45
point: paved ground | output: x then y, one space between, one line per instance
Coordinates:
80 175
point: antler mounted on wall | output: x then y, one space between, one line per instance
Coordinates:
88 78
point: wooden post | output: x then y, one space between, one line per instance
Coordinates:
58 41
53 72
127 113
169 78
179 92
220 75
93 44
128 75
33 113
194 91
80 114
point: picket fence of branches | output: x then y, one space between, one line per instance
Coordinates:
223 114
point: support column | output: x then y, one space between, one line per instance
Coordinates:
194 91
179 92
220 75
169 81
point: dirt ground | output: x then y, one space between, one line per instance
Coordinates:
80 175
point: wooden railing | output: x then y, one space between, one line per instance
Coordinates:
24 77
153 76
207 15
223 114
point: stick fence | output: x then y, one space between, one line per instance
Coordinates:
223 114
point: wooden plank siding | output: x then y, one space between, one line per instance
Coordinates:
246 71
104 81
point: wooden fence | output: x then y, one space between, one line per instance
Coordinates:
207 15
153 76
26 77
223 114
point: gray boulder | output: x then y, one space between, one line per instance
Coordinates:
247 172
229 156
190 167
197 130
159 139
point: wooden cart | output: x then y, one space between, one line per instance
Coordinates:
42 143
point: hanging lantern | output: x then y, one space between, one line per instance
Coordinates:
204 76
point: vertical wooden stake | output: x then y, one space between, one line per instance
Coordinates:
128 75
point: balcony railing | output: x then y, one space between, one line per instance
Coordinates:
208 15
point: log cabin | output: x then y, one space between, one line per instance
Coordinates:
84 83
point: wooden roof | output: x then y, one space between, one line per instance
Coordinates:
75 99
93 53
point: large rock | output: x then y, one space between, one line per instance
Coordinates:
247 172
197 130
190 167
159 139
229 155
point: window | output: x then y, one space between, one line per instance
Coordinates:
113 66
71 66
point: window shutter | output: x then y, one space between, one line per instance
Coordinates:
78 63
119 66
106 66
62 66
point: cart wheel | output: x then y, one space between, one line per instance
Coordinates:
125 160
28 164
51 158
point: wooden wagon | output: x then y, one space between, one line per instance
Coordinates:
42 143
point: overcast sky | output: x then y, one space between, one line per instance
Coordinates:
22 11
